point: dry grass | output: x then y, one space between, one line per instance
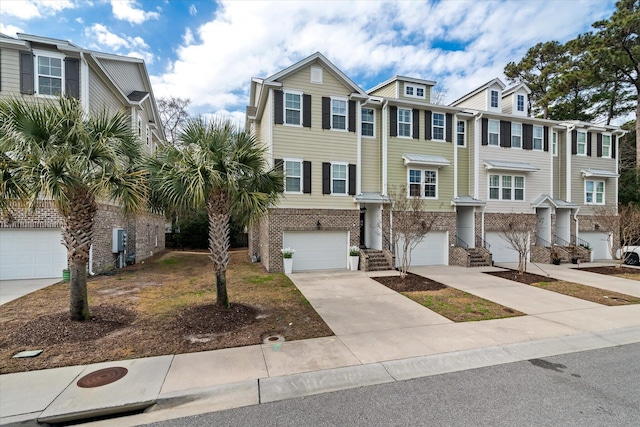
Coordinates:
588 293
629 276
461 306
156 304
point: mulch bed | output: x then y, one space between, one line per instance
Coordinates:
411 283
610 270
526 278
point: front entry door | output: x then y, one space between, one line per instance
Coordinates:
362 227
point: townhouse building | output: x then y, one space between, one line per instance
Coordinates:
39 68
481 163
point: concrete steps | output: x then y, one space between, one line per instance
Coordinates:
479 257
376 260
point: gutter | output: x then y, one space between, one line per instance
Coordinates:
91 273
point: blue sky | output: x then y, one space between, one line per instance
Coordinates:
208 51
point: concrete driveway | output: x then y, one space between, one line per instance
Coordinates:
14 289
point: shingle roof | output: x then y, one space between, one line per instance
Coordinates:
137 95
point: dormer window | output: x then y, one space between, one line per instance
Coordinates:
494 98
414 91
520 103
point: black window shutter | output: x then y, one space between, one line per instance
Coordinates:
72 77
352 180
278 164
505 133
599 145
574 142
416 123
427 125
352 116
393 115
589 144
614 144
485 131
527 137
26 72
326 178
278 103
306 177
546 138
306 110
326 113
449 127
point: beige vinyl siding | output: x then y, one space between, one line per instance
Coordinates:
126 74
101 97
387 91
578 163
427 92
476 102
10 74
315 144
559 167
372 157
535 183
463 171
471 138
507 104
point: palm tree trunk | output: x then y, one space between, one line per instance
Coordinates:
77 235
218 212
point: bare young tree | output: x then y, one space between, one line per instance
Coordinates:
438 96
173 115
518 234
409 226
625 222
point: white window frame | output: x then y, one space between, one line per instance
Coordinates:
346 178
462 134
422 183
497 123
36 72
594 192
608 155
512 188
516 135
372 122
540 138
497 93
582 144
284 169
345 115
404 123
414 89
554 144
520 96
284 107
434 127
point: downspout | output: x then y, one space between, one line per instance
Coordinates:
91 273
359 147
455 156
384 147
84 78
575 218
476 163
270 106
567 177
550 138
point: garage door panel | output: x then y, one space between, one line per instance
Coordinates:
501 250
598 242
433 250
317 250
31 253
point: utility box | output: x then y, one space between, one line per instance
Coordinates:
119 240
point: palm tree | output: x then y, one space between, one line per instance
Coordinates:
54 149
222 169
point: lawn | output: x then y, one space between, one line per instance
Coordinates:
588 293
162 306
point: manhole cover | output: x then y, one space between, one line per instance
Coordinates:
102 377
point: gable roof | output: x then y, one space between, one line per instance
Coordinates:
478 90
398 78
515 88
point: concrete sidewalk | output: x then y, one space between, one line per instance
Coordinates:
379 338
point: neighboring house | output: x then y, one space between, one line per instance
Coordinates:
35 68
480 162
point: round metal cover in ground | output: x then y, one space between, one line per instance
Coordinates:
102 377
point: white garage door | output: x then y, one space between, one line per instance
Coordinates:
501 250
598 243
433 250
317 250
31 253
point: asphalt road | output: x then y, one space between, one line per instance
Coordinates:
593 388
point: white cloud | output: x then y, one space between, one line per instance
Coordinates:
192 10
10 30
125 45
259 38
127 10
29 9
